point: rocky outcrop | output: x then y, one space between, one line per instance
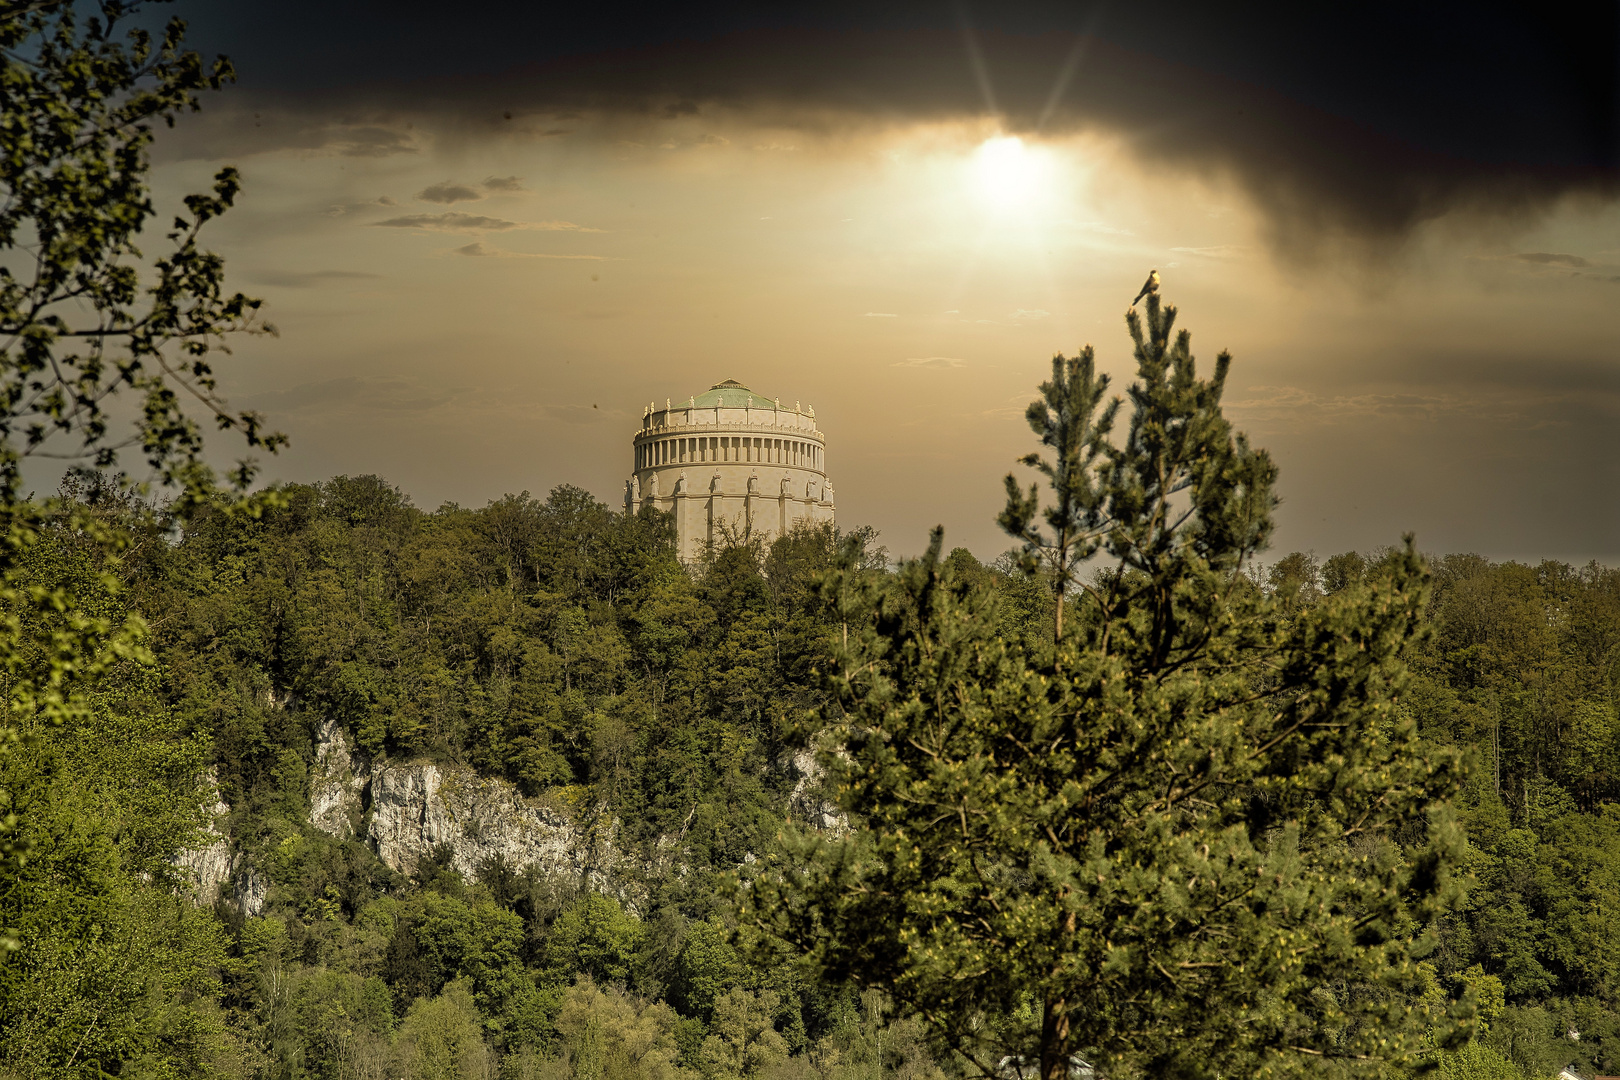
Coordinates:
808 801
217 870
404 811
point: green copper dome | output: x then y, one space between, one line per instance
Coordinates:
730 394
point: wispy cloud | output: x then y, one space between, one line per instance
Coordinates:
306 279
1552 258
367 141
1216 251
932 363
457 221
479 249
1029 313
1293 407
340 209
449 192
880 315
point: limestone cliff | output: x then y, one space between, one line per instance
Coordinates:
403 811
217 869
808 801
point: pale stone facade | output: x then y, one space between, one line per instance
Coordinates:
730 460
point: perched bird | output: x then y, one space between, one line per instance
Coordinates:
1151 285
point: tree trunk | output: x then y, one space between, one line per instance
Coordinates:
1055 1040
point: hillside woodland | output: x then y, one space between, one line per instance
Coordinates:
562 648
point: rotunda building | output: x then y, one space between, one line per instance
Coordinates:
730 463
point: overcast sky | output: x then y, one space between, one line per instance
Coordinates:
489 238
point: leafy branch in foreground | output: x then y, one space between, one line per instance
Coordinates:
1194 836
101 352
77 326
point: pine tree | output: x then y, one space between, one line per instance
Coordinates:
1066 418
1191 837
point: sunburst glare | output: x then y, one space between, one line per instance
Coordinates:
1008 173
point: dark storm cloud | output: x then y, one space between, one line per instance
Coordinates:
1360 120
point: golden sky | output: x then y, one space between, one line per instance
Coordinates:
475 309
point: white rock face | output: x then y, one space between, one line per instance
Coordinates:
404 811
209 867
217 869
808 802
337 791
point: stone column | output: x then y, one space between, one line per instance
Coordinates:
683 524
750 500
717 506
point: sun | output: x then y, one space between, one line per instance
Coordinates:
1007 172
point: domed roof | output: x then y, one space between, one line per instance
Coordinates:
731 394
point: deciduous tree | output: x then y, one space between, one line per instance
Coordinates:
104 352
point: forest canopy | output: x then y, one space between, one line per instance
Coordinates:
561 647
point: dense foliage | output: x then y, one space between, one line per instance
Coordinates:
1188 836
106 353
670 697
